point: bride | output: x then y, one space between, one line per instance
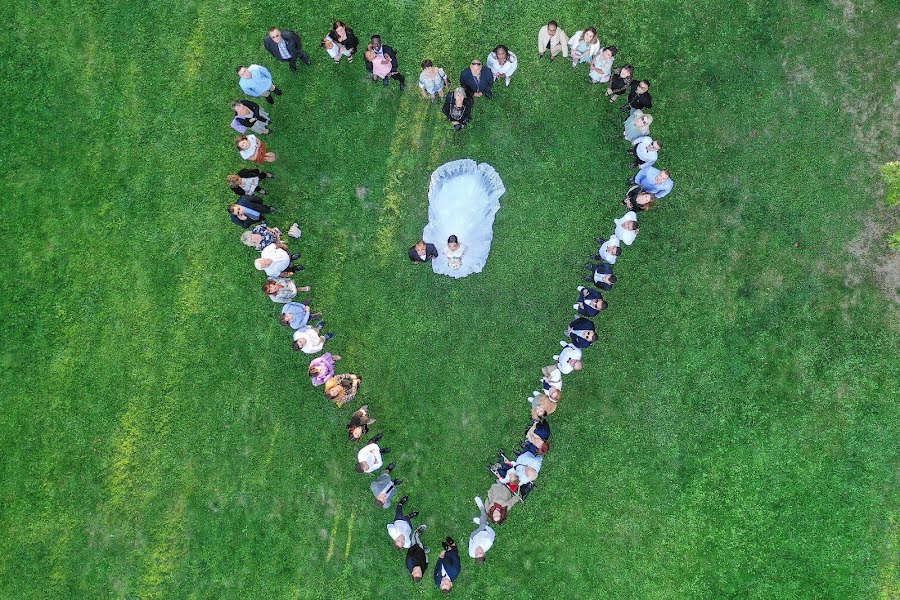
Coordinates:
462 200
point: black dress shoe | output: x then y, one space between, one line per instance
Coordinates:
413 514
397 482
597 256
295 256
377 438
385 451
588 266
391 466
403 500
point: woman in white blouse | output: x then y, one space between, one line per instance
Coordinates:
502 63
432 80
627 228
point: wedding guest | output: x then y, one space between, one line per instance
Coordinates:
584 45
246 182
638 199
627 228
525 469
481 540
248 115
537 438
417 556
646 151
297 314
619 82
552 37
261 236
381 62
285 46
256 81
601 65
601 275
432 80
448 566
310 340
342 388
321 368
384 487
458 108
657 182
637 125
359 423
609 250
369 457
245 212
590 302
502 63
551 380
282 290
253 149
340 41
423 252
639 97
476 81
401 529
276 261
568 359
500 500
543 405
581 332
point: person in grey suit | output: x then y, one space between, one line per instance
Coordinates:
285 46
384 487
482 538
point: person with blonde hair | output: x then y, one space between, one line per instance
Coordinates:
458 108
246 182
342 388
261 236
637 125
584 45
253 149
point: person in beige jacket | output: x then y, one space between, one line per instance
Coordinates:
552 37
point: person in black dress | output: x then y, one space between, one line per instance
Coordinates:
458 108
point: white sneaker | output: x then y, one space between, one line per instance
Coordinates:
507 81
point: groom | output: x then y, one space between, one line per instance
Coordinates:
422 252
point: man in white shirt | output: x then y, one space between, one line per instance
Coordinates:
609 250
627 227
369 458
276 261
482 538
552 379
401 529
569 359
646 151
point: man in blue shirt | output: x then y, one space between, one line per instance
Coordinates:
256 81
659 183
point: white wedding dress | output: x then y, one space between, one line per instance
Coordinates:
463 198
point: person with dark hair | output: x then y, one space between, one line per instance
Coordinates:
422 252
401 529
340 41
256 81
454 252
584 45
502 63
590 302
639 97
646 151
432 80
417 555
638 199
619 82
481 540
601 275
524 469
321 368
582 333
310 340
537 438
384 487
359 423
500 500
609 250
297 314
254 149
458 108
627 228
276 261
381 62
552 37
568 359
369 457
657 182
285 46
448 566
245 212
248 115
476 81
246 182
282 290
601 65
543 404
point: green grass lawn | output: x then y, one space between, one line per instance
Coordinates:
734 435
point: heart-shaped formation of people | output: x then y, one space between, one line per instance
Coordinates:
514 476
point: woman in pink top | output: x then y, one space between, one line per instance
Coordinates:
322 368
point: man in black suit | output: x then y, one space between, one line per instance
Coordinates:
639 97
601 276
286 46
422 252
477 80
246 213
448 566
381 52
417 556
581 332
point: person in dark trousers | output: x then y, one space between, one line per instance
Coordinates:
601 275
381 62
477 81
246 182
581 333
247 212
417 556
619 82
285 46
590 302
639 97
448 566
422 252
458 108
